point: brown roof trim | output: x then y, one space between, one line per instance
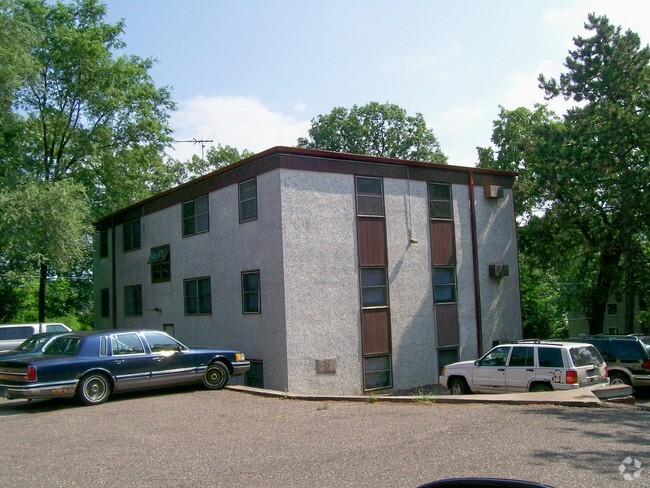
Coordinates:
294 158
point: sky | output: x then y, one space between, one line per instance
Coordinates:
253 73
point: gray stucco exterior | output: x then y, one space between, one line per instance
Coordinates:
304 243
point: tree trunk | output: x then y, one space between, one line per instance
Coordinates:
600 293
41 292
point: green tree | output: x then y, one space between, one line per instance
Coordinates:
584 179
42 226
79 112
216 158
375 129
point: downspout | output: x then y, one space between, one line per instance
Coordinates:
477 285
113 273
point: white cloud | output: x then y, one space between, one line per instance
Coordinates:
242 122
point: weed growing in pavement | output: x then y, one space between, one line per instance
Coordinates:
324 406
372 398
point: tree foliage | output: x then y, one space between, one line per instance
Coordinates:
73 109
375 129
216 158
584 184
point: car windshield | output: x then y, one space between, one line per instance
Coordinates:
586 356
32 344
63 345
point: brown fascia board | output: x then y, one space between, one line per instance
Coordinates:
293 157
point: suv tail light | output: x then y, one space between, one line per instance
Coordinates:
646 364
571 377
31 373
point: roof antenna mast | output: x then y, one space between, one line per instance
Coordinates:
199 141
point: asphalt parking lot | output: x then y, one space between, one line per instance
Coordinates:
193 437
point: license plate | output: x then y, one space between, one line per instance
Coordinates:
591 372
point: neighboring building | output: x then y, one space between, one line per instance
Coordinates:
614 319
335 273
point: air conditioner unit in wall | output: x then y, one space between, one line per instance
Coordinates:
499 270
493 191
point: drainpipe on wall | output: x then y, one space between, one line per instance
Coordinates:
113 286
477 288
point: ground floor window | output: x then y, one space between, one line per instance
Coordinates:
106 302
254 377
377 372
198 296
133 300
446 356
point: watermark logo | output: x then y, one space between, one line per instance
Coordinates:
630 468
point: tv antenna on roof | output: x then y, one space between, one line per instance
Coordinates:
194 140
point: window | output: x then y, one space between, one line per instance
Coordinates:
124 344
132 300
255 375
444 284
248 200
377 372
131 235
496 357
550 357
374 288
106 303
445 357
370 196
198 297
250 291
159 259
196 216
63 345
522 356
162 343
103 243
440 201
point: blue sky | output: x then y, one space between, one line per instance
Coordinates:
253 73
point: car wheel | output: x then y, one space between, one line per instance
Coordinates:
216 376
93 389
537 387
457 386
616 378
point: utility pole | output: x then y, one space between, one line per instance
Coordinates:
199 141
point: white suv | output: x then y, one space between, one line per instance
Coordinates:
528 366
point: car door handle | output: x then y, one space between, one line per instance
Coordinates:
501 369
157 358
530 370
119 361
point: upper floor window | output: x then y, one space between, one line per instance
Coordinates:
196 216
250 290
374 288
133 300
160 261
444 284
103 243
370 196
248 200
440 201
198 296
131 235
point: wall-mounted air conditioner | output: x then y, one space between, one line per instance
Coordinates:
499 270
493 191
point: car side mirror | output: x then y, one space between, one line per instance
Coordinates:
477 363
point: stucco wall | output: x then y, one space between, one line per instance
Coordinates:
497 244
321 282
222 254
410 287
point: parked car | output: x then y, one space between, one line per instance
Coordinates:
12 335
92 365
32 346
628 357
528 366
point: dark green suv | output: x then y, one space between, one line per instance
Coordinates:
627 357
